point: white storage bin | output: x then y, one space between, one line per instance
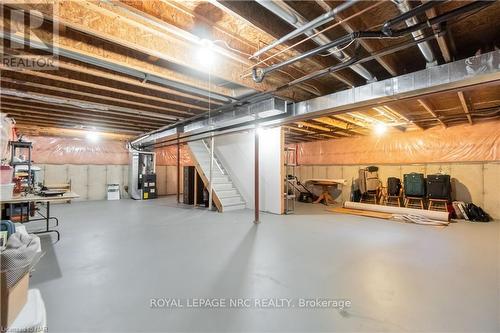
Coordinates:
113 191
6 191
32 317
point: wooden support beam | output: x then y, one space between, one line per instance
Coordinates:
190 100
72 124
441 40
117 25
97 53
350 119
71 102
42 88
179 107
65 132
309 125
339 124
16 113
259 17
298 129
391 109
230 32
8 101
53 114
465 106
429 109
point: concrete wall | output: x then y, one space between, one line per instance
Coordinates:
236 152
476 182
89 181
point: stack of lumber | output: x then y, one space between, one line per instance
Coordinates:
403 214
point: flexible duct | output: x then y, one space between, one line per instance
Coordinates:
424 47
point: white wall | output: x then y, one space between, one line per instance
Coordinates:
236 152
88 181
476 182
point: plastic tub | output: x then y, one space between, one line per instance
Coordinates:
5 174
6 191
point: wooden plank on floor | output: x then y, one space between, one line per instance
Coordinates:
358 212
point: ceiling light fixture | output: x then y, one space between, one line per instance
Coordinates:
92 136
205 53
380 128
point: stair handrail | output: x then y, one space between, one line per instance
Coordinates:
216 160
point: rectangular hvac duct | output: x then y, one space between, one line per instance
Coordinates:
240 115
461 73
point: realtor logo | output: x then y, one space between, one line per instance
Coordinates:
28 35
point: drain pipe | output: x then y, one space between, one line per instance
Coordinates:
290 16
425 47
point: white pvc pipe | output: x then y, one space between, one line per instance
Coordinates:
430 214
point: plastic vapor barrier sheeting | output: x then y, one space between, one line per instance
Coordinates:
168 155
62 150
464 143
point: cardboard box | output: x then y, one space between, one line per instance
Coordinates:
12 300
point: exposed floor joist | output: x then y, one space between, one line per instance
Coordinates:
465 105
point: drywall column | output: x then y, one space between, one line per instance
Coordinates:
257 178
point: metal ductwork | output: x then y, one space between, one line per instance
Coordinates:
239 116
425 47
303 26
470 71
455 75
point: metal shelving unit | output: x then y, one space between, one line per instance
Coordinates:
18 147
290 179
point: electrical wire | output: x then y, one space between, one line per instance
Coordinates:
337 50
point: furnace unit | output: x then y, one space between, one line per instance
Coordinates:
142 175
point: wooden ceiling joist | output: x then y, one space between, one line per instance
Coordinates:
430 110
42 121
10 101
339 124
52 90
257 16
83 118
66 132
110 90
116 25
401 115
83 104
309 125
54 113
465 106
96 53
441 40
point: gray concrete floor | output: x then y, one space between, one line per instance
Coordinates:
114 256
